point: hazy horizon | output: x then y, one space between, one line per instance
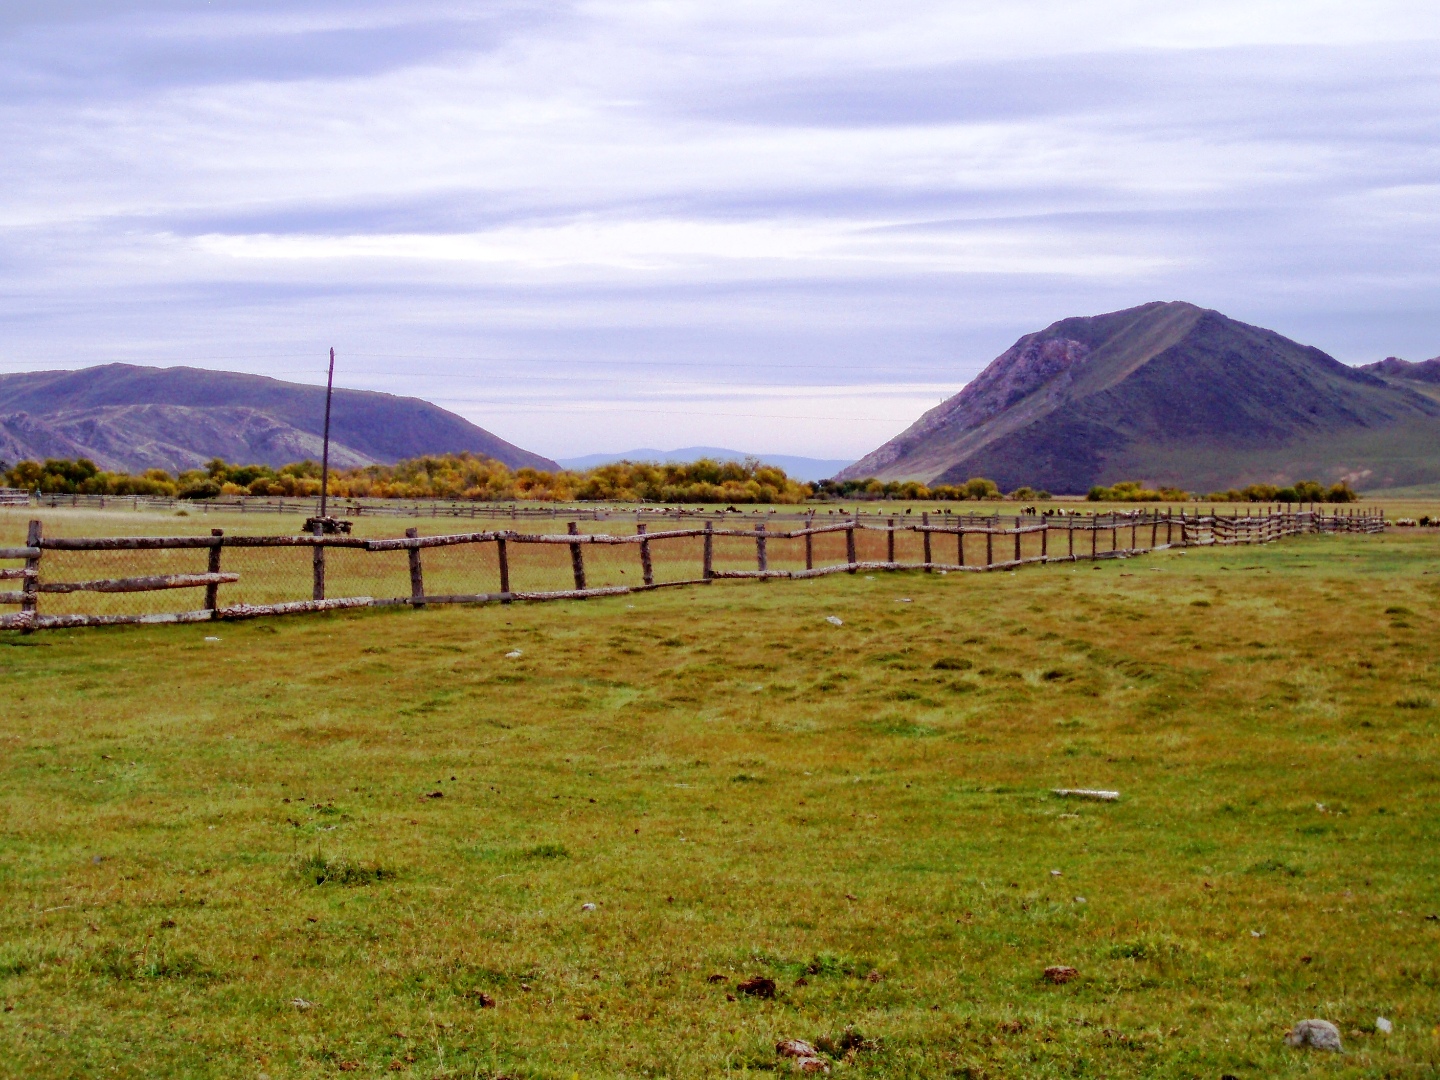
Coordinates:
594 224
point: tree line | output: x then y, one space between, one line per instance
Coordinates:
481 479
444 476
1302 491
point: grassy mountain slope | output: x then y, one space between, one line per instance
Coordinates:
1172 394
129 417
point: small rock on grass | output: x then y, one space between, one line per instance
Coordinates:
1098 794
834 620
301 1003
1060 973
1319 1034
810 1065
795 1048
1385 1027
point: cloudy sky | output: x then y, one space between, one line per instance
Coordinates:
783 227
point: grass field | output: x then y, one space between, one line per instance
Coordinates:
861 813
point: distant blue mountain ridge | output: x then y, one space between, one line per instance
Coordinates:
798 468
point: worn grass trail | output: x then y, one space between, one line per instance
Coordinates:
861 813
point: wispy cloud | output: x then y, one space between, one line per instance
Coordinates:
596 224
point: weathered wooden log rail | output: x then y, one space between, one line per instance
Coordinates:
978 546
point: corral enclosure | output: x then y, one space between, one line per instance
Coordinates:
88 580
228 857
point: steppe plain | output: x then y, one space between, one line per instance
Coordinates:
365 842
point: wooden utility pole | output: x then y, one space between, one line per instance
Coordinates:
325 452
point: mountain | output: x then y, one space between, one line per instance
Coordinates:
132 418
1173 394
1425 371
798 468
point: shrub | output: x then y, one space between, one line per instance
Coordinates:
1134 491
1302 491
200 489
317 869
547 851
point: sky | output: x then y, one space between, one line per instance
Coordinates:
780 227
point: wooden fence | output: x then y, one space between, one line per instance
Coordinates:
270 575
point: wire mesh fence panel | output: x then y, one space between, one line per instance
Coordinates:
540 567
909 546
784 553
734 553
870 545
969 549
383 575
608 566
828 549
1110 539
268 575
679 559
58 567
458 570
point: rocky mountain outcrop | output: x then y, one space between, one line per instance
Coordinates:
1172 394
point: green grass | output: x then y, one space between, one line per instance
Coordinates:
382 816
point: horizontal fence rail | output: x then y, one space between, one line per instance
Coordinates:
277 575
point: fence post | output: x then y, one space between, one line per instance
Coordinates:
212 591
502 551
577 560
317 558
1017 538
810 544
762 557
925 524
1045 540
708 568
647 571
1070 535
850 545
960 545
30 587
890 542
989 544
417 573
1154 529
1094 536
